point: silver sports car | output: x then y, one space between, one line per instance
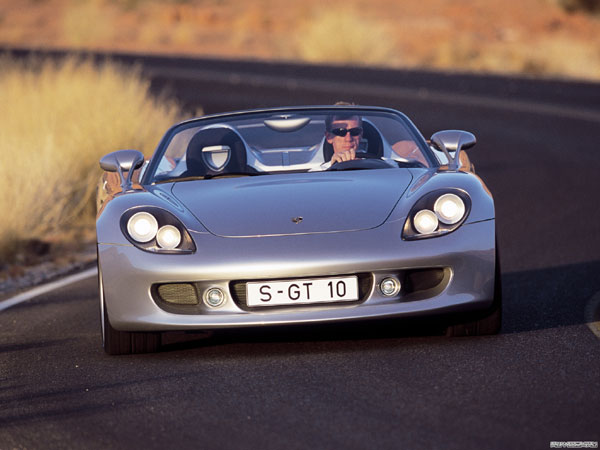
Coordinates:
297 215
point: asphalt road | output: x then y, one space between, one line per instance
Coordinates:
383 385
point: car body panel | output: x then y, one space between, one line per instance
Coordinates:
221 204
219 260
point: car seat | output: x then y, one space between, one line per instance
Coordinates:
197 164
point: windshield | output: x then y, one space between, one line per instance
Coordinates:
295 140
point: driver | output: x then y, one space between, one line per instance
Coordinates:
343 132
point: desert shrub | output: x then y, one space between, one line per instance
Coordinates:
345 35
543 57
56 120
87 23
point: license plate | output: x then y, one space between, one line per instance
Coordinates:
294 292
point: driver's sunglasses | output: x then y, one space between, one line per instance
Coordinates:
344 131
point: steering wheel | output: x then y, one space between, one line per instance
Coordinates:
366 155
363 161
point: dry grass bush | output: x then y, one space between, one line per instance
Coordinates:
178 28
345 35
88 22
56 121
545 56
562 57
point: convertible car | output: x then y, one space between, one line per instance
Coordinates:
298 215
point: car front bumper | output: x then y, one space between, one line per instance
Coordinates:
466 257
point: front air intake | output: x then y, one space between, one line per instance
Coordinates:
178 293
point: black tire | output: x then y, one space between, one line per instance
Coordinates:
489 322
127 342
117 342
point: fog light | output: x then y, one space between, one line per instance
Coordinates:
214 297
389 286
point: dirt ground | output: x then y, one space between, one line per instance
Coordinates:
535 37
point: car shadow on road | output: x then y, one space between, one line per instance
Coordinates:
548 298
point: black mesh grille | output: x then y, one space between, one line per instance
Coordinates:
238 289
178 293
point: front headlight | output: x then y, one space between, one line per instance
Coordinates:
449 208
437 213
425 221
156 230
142 226
168 237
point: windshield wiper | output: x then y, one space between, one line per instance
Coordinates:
170 180
208 177
411 164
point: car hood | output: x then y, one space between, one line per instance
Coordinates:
294 203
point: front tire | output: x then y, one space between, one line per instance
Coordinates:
491 321
117 342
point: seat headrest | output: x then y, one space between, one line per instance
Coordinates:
196 163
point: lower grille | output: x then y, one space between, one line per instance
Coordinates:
422 279
178 293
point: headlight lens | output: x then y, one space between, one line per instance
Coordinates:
168 237
142 227
449 208
156 230
425 221
436 213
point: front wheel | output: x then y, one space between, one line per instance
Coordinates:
491 321
117 342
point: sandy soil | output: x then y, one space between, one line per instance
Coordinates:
527 36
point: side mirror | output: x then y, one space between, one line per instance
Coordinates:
453 141
123 161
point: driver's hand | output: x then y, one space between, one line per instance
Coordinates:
347 155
